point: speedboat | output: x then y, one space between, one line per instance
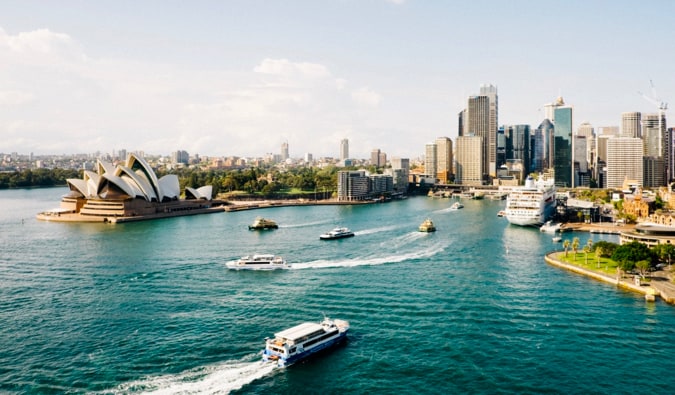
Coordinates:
337 233
263 223
550 227
557 239
456 206
427 226
258 262
301 341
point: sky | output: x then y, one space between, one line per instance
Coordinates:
240 77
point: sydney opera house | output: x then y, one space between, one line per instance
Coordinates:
128 192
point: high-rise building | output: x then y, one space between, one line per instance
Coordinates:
653 132
375 157
653 171
400 168
430 160
608 131
624 161
669 154
469 169
284 151
630 124
352 185
180 157
518 140
542 155
563 154
308 157
344 149
443 159
480 119
581 173
549 108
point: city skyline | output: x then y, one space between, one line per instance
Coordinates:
241 78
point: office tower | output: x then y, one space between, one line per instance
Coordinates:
653 168
344 149
669 154
630 124
549 109
501 148
563 157
581 173
352 185
308 157
653 131
542 154
586 130
375 157
443 159
518 140
122 154
180 157
284 151
383 159
477 123
430 160
461 117
490 91
624 161
608 131
469 170
400 168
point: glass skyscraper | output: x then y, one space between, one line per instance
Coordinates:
563 160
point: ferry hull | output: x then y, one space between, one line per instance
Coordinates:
284 362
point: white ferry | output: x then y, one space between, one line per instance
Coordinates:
337 233
301 341
532 204
258 262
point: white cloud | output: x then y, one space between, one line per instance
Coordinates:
366 96
14 98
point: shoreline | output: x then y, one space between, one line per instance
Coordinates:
658 286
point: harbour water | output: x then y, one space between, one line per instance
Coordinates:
149 307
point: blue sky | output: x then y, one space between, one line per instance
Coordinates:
224 78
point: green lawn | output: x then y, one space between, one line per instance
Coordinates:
605 266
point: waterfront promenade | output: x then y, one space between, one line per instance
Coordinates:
660 283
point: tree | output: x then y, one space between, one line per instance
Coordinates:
607 247
587 249
566 245
575 246
598 254
643 266
628 254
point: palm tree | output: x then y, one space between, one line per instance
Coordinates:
587 249
566 245
598 254
575 246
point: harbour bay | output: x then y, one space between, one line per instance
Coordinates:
150 306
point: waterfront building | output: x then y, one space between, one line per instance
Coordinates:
352 185
624 160
650 234
400 172
379 184
631 124
469 170
344 149
563 155
444 160
131 189
430 160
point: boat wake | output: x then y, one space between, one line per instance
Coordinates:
214 379
376 230
366 261
306 224
405 239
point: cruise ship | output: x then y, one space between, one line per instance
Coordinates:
299 342
532 204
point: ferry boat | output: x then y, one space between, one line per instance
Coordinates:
258 262
427 226
263 223
456 206
301 341
337 233
532 204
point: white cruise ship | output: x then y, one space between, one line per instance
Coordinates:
532 204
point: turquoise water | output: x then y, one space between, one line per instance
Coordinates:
149 307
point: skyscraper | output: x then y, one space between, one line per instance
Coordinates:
284 151
630 124
477 123
563 157
443 159
344 149
375 157
542 153
519 136
490 91
624 161
430 160
469 169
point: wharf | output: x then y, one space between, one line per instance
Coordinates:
234 205
597 227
